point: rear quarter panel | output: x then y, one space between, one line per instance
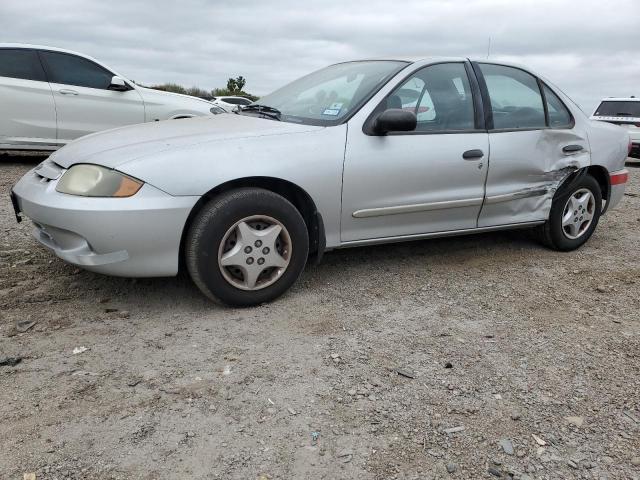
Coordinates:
609 145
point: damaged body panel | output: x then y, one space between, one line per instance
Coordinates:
525 170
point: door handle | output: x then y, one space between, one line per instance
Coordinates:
572 148
66 91
473 154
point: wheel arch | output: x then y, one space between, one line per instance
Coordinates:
601 174
292 192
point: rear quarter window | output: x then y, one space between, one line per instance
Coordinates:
559 115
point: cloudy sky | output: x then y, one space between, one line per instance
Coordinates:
588 48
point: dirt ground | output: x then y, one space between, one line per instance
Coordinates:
515 361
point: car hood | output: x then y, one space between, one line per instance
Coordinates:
160 96
112 148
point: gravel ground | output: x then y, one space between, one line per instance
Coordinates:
515 362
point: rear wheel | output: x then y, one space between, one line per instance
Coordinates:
574 215
246 247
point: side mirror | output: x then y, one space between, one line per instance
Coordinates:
395 120
118 84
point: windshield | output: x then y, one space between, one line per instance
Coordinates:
618 109
329 95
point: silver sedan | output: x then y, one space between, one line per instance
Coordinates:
356 153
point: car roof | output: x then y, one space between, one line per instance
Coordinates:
620 99
41 47
425 60
405 59
428 58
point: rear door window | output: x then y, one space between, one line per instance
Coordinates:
21 63
516 102
70 69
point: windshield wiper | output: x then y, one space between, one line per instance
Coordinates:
624 114
265 110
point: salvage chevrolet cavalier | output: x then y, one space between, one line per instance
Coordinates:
356 153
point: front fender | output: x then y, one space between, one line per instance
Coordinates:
311 159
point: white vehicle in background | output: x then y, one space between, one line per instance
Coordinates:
624 112
50 96
230 103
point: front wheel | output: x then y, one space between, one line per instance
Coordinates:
246 247
574 215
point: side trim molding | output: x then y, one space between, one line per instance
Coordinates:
418 207
448 233
526 193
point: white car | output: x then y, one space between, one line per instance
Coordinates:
229 104
624 112
50 96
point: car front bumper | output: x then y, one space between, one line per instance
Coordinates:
138 236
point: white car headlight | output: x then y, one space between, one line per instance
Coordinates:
95 181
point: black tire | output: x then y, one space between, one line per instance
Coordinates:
552 233
209 228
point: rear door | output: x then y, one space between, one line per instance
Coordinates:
534 143
28 114
84 102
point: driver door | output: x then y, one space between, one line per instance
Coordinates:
428 180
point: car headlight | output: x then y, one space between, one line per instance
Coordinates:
95 181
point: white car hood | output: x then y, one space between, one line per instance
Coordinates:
112 148
151 95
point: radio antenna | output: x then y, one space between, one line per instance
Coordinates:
489 48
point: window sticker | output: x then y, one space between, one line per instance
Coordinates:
333 110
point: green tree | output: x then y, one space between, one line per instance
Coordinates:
240 82
232 86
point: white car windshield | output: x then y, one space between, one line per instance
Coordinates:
328 96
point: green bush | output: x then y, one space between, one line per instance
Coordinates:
234 87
